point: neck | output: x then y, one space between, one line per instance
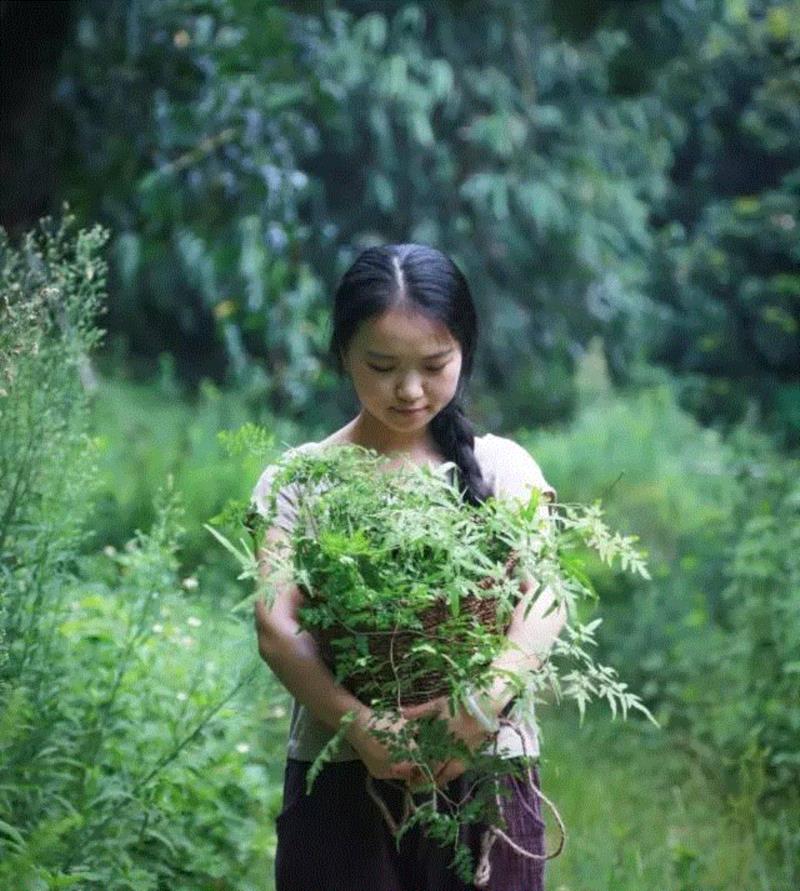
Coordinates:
365 431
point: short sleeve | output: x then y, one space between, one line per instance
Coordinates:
288 496
518 473
286 505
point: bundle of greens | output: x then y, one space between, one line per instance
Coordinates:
406 593
409 589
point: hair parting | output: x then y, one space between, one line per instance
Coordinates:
426 280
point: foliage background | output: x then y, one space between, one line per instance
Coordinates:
620 183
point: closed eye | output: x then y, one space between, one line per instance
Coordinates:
385 370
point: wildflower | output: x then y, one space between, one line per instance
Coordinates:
193 622
181 697
158 628
190 583
242 748
187 640
110 551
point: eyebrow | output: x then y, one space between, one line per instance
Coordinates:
439 355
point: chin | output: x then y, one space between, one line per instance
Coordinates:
399 423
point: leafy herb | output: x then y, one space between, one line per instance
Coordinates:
409 590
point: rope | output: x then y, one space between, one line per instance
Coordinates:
484 868
492 833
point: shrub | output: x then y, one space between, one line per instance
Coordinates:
149 430
712 641
119 765
50 290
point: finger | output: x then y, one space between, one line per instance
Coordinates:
441 771
416 711
422 777
450 771
441 774
405 770
418 779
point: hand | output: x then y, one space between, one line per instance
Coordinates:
281 620
462 726
375 755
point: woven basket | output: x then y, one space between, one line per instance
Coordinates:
388 647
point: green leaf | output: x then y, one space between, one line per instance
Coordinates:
329 749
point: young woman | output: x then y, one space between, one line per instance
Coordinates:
404 331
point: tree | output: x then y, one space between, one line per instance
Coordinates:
726 258
255 149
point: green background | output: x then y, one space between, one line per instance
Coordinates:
620 184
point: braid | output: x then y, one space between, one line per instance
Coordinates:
418 278
455 436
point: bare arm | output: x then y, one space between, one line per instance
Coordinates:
533 638
293 656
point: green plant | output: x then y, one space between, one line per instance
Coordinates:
121 740
377 547
148 431
711 642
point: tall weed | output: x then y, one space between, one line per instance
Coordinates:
125 739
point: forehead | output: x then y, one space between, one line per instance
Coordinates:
404 332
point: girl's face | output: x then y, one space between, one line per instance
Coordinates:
401 361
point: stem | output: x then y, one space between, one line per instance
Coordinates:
79 844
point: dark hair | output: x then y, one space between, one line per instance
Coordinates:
423 278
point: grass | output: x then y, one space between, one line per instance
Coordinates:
640 814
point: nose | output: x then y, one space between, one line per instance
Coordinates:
410 389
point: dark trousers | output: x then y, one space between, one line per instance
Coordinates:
336 838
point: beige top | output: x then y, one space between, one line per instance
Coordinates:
510 471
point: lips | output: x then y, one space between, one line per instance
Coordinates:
412 411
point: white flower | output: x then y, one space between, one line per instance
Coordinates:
158 628
278 712
181 697
194 622
242 748
190 583
110 551
187 640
